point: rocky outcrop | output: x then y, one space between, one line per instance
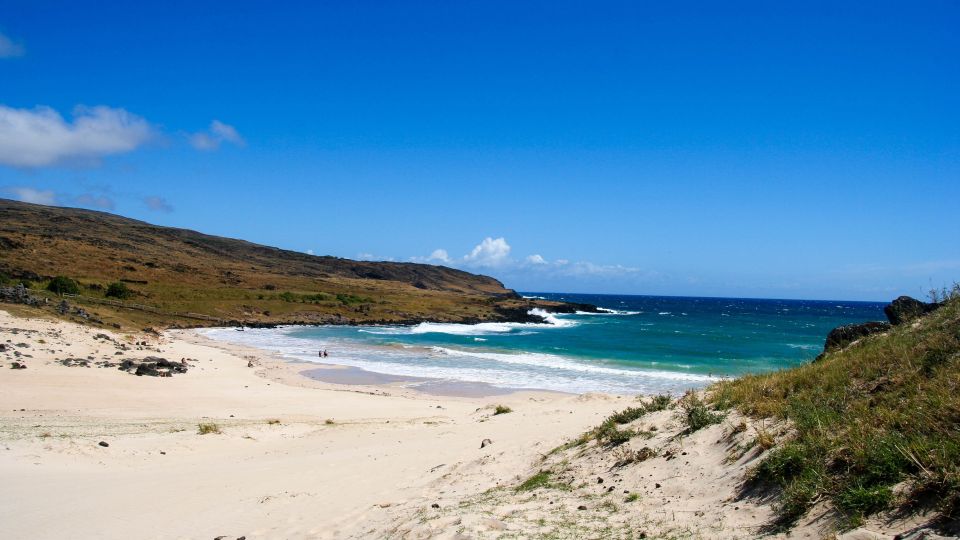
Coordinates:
902 310
18 294
842 336
905 309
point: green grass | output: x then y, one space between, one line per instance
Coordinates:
863 420
502 409
608 433
542 479
696 413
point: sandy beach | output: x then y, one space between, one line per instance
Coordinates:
249 445
296 458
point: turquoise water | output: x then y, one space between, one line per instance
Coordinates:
641 344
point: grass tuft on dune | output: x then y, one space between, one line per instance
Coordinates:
875 426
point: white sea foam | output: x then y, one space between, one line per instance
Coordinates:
505 369
606 311
551 320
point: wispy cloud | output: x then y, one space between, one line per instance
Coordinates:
33 195
10 48
90 200
157 204
217 134
41 136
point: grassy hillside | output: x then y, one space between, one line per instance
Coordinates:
875 426
180 276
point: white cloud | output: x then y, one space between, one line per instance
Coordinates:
439 255
494 254
157 204
35 196
40 136
309 252
489 252
9 49
217 134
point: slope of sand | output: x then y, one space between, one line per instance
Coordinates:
299 458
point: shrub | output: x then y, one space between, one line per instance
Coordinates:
288 296
208 428
348 299
627 415
502 409
696 414
63 285
610 435
119 290
659 403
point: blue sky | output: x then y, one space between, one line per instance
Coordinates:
759 149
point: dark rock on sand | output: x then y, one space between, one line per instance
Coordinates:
104 444
906 309
842 336
485 443
18 365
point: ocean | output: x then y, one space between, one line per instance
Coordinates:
638 345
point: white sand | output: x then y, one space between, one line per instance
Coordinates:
343 461
302 478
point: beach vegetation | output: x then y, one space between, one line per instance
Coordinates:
542 479
502 409
61 285
208 428
696 413
862 420
765 439
350 299
608 433
273 421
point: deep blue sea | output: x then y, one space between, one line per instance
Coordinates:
640 344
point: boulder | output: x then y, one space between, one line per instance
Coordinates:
906 309
842 336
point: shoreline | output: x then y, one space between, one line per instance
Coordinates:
441 366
